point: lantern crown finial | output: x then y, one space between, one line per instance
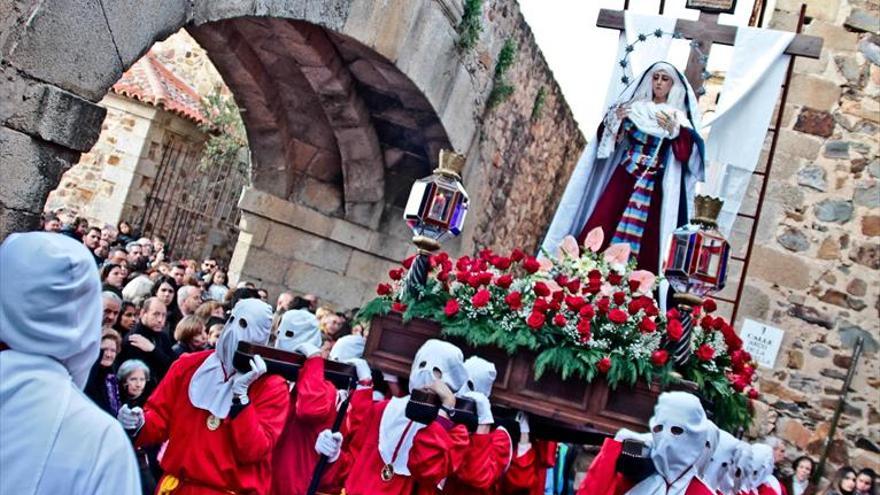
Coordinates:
706 210
451 163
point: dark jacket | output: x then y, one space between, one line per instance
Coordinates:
159 360
103 388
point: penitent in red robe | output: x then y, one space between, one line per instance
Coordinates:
486 459
313 409
603 478
437 452
766 489
527 474
234 457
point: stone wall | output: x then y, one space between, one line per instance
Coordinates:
815 271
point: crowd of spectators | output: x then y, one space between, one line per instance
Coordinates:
157 308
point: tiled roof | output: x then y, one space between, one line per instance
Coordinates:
150 81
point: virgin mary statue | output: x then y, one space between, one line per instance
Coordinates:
636 178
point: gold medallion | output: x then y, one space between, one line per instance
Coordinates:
213 422
387 472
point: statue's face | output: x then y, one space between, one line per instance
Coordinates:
661 83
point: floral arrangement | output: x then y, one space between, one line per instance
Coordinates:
584 313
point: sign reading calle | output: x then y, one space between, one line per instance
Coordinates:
761 341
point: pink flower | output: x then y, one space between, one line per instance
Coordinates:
594 239
645 279
568 246
618 254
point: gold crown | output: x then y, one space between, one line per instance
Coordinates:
451 163
706 210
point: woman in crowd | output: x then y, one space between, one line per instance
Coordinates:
799 482
126 233
103 387
165 289
133 376
113 278
210 309
190 335
218 288
128 316
844 482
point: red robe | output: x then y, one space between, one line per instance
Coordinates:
528 473
437 452
603 478
485 461
234 457
766 489
313 409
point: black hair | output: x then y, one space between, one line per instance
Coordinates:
794 465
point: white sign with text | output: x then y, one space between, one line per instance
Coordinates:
761 341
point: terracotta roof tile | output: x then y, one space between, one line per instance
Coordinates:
152 82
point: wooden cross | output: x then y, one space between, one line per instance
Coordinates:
705 32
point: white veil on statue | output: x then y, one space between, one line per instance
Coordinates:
594 169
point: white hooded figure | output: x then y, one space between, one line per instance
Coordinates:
54 439
347 348
478 387
213 384
299 332
741 473
434 360
720 472
680 431
761 468
712 440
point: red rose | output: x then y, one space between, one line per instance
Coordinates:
536 320
559 320
583 328
485 278
734 343
474 280
463 263
674 330
659 357
587 312
408 262
709 305
594 275
647 325
396 274
554 305
719 323
695 313
707 322
753 394
531 264
517 255
594 285
481 298
398 307
561 279
619 298
614 278
383 289
604 305
705 352
651 309
575 303
673 314
514 300
463 276
634 306
504 281
500 262
573 285
451 308
443 276
739 383
541 289
617 316
634 285
541 305
604 365
485 254
559 296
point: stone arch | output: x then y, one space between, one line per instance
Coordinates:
69 54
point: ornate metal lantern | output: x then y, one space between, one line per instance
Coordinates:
698 254
696 266
435 211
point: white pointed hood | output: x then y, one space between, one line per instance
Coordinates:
348 347
481 376
298 326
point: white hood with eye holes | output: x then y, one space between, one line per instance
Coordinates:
440 356
481 376
211 385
